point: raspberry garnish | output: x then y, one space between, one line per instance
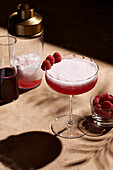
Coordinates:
51 59
46 65
57 57
107 105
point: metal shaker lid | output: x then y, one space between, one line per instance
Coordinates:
25 22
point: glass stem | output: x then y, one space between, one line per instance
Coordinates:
71 121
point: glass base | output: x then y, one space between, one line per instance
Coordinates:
62 128
27 85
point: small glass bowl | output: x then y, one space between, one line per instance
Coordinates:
102 117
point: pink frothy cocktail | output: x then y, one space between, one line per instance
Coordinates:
72 76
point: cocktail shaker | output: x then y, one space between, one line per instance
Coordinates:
26 25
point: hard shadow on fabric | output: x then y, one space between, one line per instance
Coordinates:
30 150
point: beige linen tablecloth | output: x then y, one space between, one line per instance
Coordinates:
26 139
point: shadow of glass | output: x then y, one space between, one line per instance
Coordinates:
21 91
30 150
97 147
93 129
4 103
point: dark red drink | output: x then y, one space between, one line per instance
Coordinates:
8 85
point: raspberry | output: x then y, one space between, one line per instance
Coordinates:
96 101
57 57
107 105
97 110
51 59
46 65
99 95
105 96
106 114
98 105
111 99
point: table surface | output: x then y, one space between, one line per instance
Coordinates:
26 139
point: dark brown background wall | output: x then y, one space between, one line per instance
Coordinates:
85 26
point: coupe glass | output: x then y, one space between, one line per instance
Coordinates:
74 75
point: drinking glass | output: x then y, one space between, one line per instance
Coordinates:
74 75
8 71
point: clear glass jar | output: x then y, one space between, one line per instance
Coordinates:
8 71
26 26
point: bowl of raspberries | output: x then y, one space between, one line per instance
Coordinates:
102 109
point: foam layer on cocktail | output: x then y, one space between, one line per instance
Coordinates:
72 74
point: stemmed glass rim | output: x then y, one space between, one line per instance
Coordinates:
76 56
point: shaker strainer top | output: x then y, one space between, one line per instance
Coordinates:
25 22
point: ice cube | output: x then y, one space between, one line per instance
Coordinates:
19 60
28 67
